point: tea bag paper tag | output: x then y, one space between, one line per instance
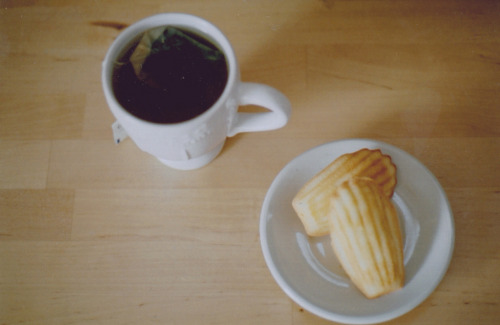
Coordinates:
119 133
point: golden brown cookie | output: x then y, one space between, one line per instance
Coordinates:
366 236
312 201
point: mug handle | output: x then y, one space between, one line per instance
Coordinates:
250 93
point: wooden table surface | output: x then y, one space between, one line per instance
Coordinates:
97 233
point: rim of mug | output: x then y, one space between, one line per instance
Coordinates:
131 34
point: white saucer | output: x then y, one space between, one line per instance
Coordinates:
306 268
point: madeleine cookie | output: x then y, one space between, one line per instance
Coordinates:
312 201
366 237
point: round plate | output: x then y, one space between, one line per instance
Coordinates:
308 271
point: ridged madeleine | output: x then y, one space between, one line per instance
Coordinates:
366 236
312 201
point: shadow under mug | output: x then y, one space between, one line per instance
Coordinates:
196 142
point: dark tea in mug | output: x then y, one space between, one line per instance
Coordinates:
170 75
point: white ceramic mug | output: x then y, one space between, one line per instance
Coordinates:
196 142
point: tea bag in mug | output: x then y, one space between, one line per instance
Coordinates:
143 49
180 53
